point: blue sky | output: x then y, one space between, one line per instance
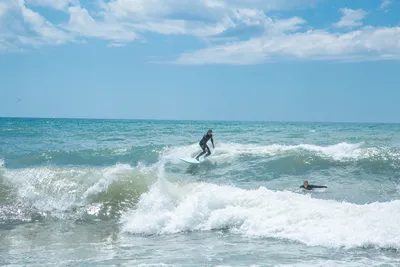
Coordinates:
304 60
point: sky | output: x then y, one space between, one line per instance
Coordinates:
268 60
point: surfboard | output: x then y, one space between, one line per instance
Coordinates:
194 161
190 160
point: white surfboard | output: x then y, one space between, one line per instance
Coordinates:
190 160
194 161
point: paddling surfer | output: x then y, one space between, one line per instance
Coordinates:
310 186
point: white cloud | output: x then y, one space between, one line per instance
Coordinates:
21 27
200 18
138 9
182 27
81 23
56 4
385 4
6 46
211 11
169 16
219 23
116 45
46 31
351 18
284 25
364 44
160 8
121 21
3 9
214 3
271 4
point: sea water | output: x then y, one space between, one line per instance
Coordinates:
77 192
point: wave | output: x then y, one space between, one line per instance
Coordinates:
337 152
296 157
169 208
302 154
106 192
73 193
274 159
145 201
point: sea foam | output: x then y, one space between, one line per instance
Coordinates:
169 208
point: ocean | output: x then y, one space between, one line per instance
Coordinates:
86 192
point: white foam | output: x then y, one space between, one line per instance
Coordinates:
227 151
120 151
173 154
348 261
264 213
58 189
108 176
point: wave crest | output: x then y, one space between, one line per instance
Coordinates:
264 213
78 193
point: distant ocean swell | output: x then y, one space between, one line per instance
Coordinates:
88 157
146 199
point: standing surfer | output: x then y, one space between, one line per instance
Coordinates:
204 146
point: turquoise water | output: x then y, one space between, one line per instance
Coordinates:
77 192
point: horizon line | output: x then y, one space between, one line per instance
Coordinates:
196 120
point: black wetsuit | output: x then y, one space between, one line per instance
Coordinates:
311 187
204 146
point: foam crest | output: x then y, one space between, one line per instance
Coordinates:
57 190
227 151
108 176
339 151
264 213
173 154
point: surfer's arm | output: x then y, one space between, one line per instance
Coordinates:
319 186
316 186
212 142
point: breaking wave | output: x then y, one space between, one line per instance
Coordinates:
168 208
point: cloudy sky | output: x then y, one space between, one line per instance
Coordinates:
307 60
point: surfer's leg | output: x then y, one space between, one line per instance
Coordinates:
208 152
202 153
